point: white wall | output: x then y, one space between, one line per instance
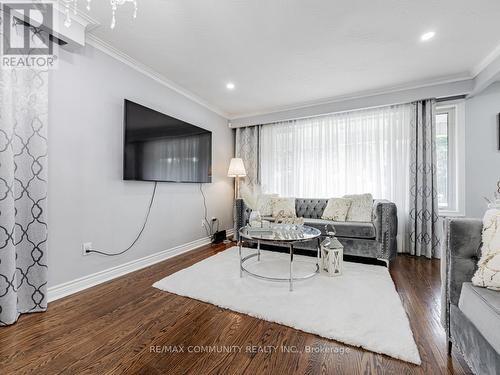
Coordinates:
482 158
88 200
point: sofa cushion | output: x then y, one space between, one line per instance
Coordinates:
283 206
487 274
482 307
344 228
264 204
361 207
336 209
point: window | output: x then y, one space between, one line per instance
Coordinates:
444 126
449 118
343 153
361 151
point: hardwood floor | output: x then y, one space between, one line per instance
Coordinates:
126 326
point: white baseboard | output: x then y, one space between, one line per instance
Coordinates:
65 289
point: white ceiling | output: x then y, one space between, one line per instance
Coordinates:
283 53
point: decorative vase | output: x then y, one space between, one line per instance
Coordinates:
255 219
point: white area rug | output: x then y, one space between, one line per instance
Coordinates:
359 308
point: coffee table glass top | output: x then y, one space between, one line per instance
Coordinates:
281 232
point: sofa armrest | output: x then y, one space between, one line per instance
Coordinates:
385 220
241 216
461 247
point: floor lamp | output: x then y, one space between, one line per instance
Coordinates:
236 169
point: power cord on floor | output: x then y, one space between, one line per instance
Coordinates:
206 224
138 236
210 227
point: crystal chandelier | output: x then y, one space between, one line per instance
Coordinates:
114 4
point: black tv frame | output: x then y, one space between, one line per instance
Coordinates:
167 181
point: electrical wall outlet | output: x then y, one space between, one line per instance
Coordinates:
86 246
203 223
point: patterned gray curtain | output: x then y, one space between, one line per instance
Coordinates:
247 148
23 192
422 230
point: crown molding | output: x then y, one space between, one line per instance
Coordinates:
394 97
103 46
484 63
359 95
160 78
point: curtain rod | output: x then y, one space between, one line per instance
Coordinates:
325 114
450 98
438 100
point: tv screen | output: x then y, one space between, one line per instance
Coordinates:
158 147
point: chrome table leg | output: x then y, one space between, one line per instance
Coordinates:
258 250
318 253
241 265
291 267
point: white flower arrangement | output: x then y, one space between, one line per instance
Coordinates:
250 195
495 202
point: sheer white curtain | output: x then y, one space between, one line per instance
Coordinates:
364 151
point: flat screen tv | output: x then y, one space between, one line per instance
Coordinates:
158 147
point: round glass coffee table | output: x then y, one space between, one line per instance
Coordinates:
279 234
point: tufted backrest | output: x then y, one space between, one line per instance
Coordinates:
310 208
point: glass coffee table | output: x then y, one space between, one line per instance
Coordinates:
279 234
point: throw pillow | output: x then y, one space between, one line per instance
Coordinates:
280 219
287 205
265 204
488 273
337 209
361 207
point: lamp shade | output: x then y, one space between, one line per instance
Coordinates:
236 168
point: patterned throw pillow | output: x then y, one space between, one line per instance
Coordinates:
265 204
361 207
488 273
337 209
287 205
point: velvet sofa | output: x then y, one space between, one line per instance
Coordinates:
374 239
470 315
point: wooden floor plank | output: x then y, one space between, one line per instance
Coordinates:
111 328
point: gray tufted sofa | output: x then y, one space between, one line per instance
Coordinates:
375 239
470 315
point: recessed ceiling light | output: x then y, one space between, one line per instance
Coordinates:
230 86
427 36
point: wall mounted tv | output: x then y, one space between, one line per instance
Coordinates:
158 147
